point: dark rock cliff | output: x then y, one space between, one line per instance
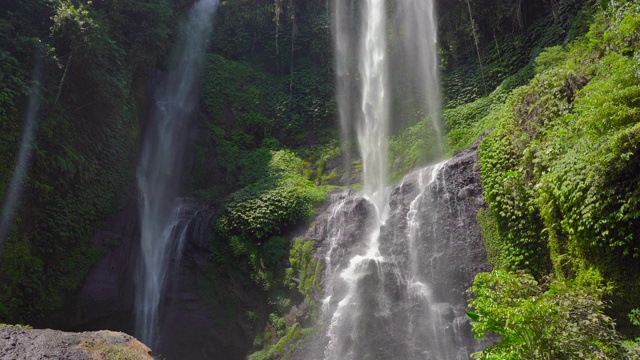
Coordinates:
200 314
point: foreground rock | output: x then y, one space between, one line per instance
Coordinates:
19 344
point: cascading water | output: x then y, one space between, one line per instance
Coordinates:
408 300
372 133
159 170
393 289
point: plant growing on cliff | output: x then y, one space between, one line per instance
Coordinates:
563 320
560 169
266 208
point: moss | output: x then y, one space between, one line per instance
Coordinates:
306 269
99 349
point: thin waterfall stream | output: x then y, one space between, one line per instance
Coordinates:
159 171
23 160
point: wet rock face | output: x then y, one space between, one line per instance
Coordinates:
411 302
338 243
447 239
19 344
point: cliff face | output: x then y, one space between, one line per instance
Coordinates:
200 314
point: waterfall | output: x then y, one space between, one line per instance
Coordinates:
372 132
23 161
160 166
372 127
392 288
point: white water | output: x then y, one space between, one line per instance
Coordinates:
362 305
413 222
159 170
345 44
373 127
14 190
392 299
430 322
372 133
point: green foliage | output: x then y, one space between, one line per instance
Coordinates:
465 123
563 156
305 270
564 321
254 217
318 156
634 317
282 347
95 57
491 236
509 34
267 207
249 111
560 168
506 191
417 145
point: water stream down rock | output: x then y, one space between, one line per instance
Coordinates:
409 302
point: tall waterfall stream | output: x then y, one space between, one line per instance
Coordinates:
159 170
389 276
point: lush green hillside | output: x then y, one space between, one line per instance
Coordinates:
560 175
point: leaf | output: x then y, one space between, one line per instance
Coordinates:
473 316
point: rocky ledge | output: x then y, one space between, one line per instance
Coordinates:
20 343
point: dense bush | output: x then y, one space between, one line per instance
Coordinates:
562 320
266 208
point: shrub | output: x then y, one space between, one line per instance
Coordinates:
563 321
